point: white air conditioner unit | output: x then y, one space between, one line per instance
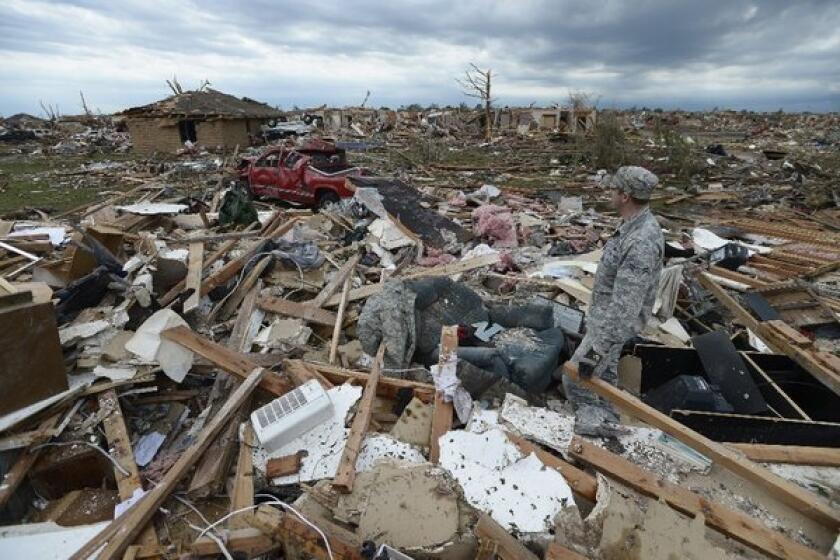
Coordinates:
292 415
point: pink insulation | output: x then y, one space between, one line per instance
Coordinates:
496 223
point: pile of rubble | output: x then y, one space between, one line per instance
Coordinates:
188 372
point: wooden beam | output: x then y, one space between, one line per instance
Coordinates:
731 523
442 270
195 265
225 358
801 500
581 482
242 495
299 310
822 372
27 457
122 531
300 373
345 545
249 541
791 454
346 474
556 551
337 281
443 411
240 292
119 443
507 547
339 320
387 387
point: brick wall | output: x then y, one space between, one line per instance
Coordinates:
227 133
153 135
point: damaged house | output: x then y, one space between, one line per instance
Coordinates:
207 117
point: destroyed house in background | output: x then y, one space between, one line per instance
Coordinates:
209 118
563 119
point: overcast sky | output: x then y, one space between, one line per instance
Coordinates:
760 54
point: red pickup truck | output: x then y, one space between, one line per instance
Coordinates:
313 174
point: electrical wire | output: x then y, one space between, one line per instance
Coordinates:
275 501
80 442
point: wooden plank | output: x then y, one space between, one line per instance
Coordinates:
580 481
240 292
731 523
769 381
442 270
556 551
195 265
507 547
443 411
301 373
789 332
344 544
242 495
387 387
173 292
339 321
336 282
284 466
27 457
249 541
821 371
791 454
296 309
119 443
346 474
123 530
227 359
801 500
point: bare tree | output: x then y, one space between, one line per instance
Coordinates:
365 100
52 113
204 85
476 83
174 85
85 108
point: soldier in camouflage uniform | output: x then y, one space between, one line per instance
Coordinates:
622 296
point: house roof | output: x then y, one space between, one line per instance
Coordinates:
205 103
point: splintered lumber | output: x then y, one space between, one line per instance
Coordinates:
346 474
300 310
337 281
557 551
507 547
232 268
27 457
731 523
231 303
808 359
579 481
443 411
387 387
286 527
442 270
122 531
193 279
339 320
301 373
227 359
791 454
249 541
284 466
242 495
797 498
119 443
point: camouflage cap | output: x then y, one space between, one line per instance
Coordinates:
636 181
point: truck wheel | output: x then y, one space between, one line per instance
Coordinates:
325 198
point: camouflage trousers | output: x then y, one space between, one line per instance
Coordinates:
589 407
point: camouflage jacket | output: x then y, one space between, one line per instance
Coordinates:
626 282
